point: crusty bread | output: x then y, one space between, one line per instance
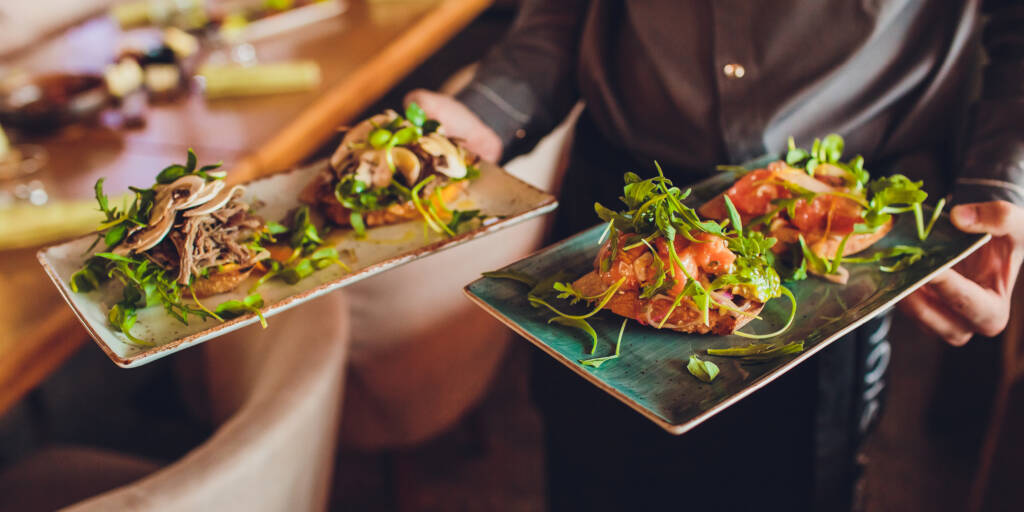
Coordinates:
823 247
684 318
221 282
316 193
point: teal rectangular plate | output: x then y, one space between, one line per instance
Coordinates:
651 376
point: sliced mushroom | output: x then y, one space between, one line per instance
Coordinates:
190 185
208 192
364 171
438 145
224 197
359 133
381 170
407 163
148 237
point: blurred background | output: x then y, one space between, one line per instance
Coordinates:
95 88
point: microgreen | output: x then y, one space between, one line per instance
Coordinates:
759 352
172 172
596 362
705 371
522 277
236 308
309 251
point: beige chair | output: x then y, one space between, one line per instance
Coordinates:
422 353
280 390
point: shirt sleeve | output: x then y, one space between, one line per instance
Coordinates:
994 155
526 84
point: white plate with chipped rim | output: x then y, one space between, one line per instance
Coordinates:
506 199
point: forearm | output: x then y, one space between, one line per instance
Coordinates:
526 85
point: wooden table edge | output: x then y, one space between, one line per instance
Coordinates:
316 123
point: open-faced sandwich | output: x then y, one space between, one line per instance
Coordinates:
663 266
827 208
189 234
390 169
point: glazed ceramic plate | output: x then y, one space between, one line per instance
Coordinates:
495 193
651 377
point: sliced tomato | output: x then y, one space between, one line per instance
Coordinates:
622 264
826 213
712 255
810 217
753 195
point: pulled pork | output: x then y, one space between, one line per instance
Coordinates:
207 241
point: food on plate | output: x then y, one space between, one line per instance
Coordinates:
826 208
392 168
190 234
664 267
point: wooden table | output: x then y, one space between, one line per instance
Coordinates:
362 54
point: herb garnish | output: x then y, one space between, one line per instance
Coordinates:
309 251
759 352
704 370
360 198
144 282
879 200
655 209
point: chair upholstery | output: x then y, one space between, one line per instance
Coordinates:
422 353
276 452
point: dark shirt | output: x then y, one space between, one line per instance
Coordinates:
695 83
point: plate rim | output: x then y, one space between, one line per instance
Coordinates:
547 205
730 400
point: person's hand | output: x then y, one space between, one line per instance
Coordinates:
974 297
459 122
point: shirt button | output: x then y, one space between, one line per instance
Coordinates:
733 70
520 133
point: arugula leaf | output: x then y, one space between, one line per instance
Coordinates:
101 198
705 371
596 362
522 277
734 216
460 217
236 308
582 325
171 173
191 161
123 317
89 277
604 298
759 352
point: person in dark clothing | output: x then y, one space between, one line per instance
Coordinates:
924 86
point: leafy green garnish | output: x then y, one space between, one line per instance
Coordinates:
655 209
596 362
460 217
144 284
759 352
236 308
905 256
172 172
513 275
309 251
705 371
577 323
604 298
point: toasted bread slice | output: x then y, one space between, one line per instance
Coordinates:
316 193
221 282
684 318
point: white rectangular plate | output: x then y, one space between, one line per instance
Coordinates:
495 193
